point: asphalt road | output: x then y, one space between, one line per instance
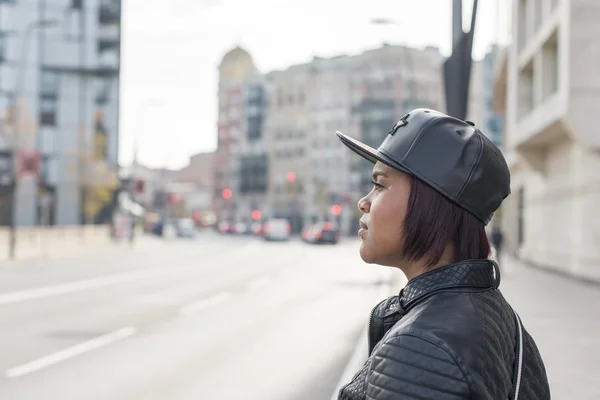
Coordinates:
212 318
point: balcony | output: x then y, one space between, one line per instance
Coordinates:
108 61
109 33
109 12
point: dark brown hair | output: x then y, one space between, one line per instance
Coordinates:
432 221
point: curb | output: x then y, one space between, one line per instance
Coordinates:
360 352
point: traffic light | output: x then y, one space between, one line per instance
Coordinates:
226 193
256 214
290 177
336 209
174 198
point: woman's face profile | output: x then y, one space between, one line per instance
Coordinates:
384 209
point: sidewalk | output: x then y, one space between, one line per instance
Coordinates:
563 316
71 250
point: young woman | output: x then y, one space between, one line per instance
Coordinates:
449 334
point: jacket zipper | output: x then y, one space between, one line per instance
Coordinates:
369 327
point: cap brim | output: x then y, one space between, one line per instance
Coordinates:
369 153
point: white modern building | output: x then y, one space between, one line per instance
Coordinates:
59 63
552 138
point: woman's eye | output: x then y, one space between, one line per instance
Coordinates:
377 186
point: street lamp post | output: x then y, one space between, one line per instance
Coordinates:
407 56
19 84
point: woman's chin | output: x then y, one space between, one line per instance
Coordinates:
365 254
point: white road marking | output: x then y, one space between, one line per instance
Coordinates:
78 286
205 303
70 352
38 293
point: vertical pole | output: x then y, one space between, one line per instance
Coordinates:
20 82
82 150
457 28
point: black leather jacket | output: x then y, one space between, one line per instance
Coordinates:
450 334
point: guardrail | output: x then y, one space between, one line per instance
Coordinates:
39 242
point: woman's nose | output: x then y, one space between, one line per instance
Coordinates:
363 205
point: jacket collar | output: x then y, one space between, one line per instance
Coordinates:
468 274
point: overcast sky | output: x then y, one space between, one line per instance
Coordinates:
171 50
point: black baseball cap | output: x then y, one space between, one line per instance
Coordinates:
450 155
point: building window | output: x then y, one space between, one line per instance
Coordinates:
77 4
49 84
48 112
109 12
102 90
254 127
526 98
550 66
71 23
109 58
253 174
3 43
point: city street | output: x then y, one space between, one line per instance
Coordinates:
226 317
212 318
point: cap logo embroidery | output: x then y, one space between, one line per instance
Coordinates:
403 121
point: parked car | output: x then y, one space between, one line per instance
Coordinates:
323 232
277 229
257 228
226 227
242 228
185 227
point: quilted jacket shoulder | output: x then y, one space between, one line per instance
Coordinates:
456 341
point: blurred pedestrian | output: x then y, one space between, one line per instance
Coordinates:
497 239
449 334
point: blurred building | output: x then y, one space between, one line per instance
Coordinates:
183 193
240 161
309 171
252 168
199 170
330 106
288 125
59 107
385 84
147 183
552 139
493 121
481 94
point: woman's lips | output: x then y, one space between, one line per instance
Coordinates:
363 229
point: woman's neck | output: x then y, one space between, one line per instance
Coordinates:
414 269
